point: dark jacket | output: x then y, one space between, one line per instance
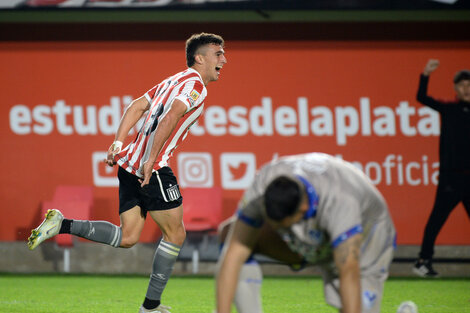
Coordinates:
454 146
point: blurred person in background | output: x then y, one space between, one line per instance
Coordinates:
146 182
454 154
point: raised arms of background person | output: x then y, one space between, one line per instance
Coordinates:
422 95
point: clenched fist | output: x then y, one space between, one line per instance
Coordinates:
431 66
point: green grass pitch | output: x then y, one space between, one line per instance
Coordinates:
121 294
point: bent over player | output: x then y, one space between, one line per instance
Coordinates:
146 182
312 209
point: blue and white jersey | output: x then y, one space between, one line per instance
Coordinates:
343 202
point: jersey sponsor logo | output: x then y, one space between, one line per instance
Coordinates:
194 95
173 193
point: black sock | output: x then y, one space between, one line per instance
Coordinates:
151 304
65 227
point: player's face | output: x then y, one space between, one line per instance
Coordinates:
462 89
214 59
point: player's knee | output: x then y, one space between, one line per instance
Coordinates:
129 241
176 237
180 237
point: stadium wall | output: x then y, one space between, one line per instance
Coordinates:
354 99
340 82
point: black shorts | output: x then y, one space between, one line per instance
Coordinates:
162 192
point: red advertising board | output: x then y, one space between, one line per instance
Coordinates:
62 101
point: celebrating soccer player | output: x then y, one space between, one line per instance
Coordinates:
146 182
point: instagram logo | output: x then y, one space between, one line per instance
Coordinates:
103 175
237 169
195 169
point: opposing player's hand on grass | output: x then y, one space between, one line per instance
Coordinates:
431 66
114 149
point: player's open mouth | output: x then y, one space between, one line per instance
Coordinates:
218 68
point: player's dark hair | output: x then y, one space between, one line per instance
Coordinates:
198 40
461 75
282 198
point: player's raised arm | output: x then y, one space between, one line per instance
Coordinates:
239 246
346 257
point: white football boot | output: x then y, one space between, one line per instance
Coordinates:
48 228
160 309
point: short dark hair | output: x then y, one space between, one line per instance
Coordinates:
282 198
198 40
461 75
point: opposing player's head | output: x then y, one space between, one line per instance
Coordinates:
462 85
205 53
284 201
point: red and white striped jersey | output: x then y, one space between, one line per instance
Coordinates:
186 86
